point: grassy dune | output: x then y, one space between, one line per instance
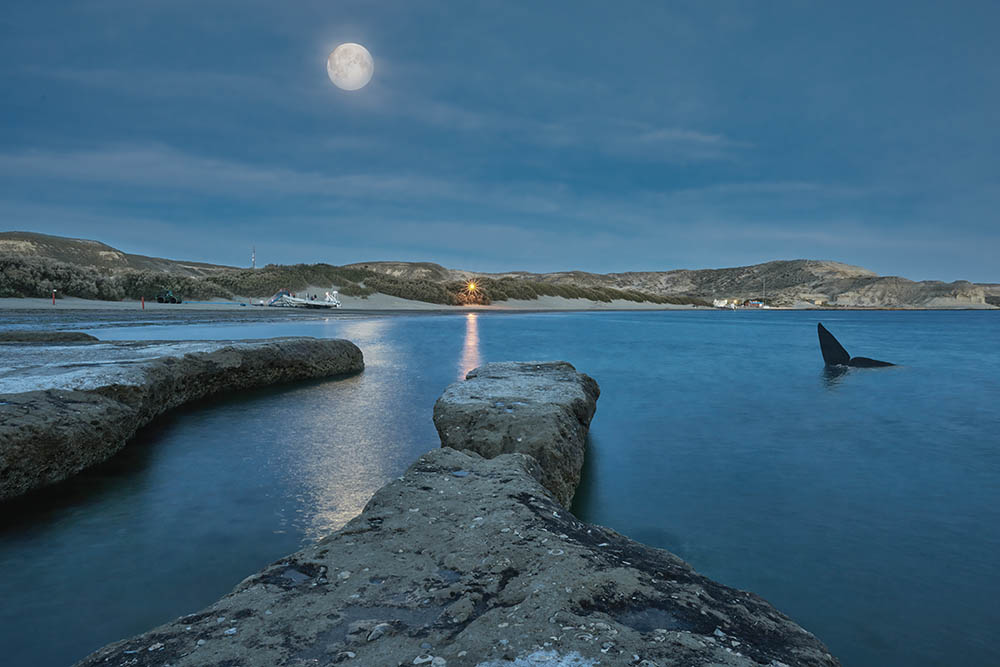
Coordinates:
38 276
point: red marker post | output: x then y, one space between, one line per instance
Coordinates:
144 303
53 297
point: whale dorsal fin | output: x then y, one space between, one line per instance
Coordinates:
834 353
865 362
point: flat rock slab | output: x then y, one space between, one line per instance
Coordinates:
538 408
470 561
47 436
46 337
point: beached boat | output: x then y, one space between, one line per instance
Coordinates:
285 299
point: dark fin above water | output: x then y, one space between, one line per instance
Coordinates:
865 362
834 353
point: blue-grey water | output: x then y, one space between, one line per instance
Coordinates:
866 505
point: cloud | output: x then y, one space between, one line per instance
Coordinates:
675 144
162 83
162 168
451 218
677 135
155 168
146 170
407 94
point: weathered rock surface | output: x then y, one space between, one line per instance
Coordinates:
470 561
45 337
467 560
47 436
538 408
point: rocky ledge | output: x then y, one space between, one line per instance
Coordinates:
46 337
47 436
472 561
542 409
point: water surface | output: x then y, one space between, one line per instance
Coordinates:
865 505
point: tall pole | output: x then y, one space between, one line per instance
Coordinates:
253 258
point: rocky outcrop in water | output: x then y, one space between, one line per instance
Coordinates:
542 409
47 436
471 561
46 337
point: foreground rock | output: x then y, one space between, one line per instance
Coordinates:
472 561
538 408
469 561
47 436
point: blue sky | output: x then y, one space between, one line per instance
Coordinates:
602 136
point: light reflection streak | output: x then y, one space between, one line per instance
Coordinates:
348 431
470 350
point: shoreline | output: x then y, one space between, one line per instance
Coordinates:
382 305
376 303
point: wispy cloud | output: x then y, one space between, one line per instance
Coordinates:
399 94
676 144
158 168
164 168
428 216
161 83
677 135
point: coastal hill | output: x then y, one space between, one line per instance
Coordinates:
800 282
94 254
34 264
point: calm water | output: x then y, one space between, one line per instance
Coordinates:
866 505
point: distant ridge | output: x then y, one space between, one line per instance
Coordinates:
94 254
797 283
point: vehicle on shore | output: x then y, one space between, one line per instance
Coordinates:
167 296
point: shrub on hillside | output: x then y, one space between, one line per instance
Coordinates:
271 278
503 289
147 284
38 276
416 290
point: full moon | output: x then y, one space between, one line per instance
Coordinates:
350 66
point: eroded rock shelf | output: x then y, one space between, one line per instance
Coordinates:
48 436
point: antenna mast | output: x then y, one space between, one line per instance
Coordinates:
253 257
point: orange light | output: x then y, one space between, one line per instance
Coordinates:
471 287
